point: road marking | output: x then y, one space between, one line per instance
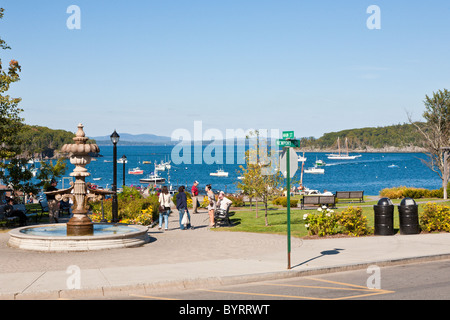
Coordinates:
263 294
353 287
151 297
317 287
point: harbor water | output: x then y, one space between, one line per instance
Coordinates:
370 173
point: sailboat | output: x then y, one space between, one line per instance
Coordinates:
342 156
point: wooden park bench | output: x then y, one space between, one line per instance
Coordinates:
30 215
350 195
318 200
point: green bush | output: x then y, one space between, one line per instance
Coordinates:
353 222
415 193
282 201
435 218
326 222
237 201
323 223
132 208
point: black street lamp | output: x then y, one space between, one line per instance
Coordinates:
124 160
115 206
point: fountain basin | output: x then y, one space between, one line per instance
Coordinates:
53 238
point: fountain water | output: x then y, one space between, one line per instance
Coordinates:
80 234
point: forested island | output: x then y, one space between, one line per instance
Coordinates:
394 138
42 142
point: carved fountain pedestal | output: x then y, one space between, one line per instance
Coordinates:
80 193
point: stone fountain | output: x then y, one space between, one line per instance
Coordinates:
79 192
80 233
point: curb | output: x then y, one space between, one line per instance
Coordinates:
204 283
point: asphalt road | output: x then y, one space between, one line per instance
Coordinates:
421 281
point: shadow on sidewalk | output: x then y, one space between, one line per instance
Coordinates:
322 254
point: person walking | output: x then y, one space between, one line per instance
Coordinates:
194 193
164 208
53 205
211 205
182 208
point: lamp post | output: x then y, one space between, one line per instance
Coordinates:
445 173
124 160
115 206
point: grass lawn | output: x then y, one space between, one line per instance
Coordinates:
244 220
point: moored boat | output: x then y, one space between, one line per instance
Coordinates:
219 173
136 171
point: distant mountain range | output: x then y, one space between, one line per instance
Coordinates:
147 139
135 139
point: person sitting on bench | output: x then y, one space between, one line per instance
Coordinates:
11 212
223 201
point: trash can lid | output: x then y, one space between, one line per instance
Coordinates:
385 202
408 202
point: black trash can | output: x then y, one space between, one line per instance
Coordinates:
408 212
384 217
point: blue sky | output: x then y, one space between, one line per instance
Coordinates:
154 66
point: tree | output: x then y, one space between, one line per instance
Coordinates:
10 121
436 133
18 177
49 171
250 175
262 179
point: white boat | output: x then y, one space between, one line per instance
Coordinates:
342 156
121 160
153 178
315 170
97 179
301 158
320 163
136 171
160 167
219 173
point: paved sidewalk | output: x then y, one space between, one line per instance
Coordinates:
176 259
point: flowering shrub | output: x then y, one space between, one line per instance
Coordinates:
415 193
326 222
133 208
144 218
205 202
435 218
353 222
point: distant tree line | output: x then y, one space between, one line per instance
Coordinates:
400 136
42 142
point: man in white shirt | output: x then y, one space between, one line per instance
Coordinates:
223 201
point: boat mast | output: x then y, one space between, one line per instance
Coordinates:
339 146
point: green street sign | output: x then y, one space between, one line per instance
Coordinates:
288 134
288 143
